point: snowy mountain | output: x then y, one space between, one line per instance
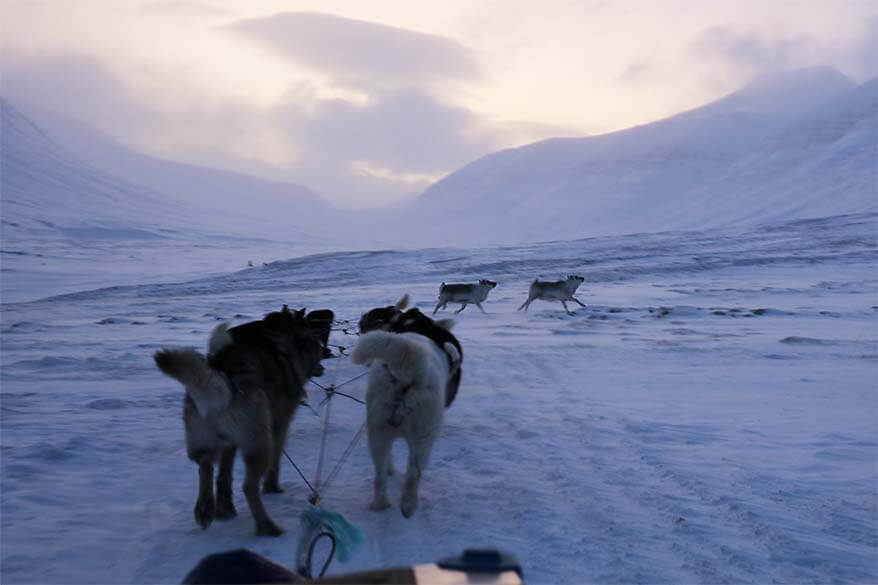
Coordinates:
63 177
790 146
786 146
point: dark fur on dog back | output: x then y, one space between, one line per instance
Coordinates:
392 319
282 334
414 321
379 318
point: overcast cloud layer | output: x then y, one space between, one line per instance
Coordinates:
361 51
369 103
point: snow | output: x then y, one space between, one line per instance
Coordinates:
797 146
61 175
710 417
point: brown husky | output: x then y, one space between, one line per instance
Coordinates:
243 395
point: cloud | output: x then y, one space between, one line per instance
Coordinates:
403 130
754 54
391 146
371 119
637 71
175 121
864 48
184 8
78 84
359 50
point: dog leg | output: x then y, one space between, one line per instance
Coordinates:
479 305
419 453
439 305
563 302
225 507
380 447
462 307
525 304
202 447
205 508
391 470
578 301
279 439
257 462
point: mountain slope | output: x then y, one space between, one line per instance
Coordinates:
68 176
46 189
714 165
819 165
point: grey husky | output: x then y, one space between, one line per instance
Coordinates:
558 290
464 294
243 395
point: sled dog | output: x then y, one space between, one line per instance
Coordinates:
405 398
393 318
243 395
382 318
464 294
558 290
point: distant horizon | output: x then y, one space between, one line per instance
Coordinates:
35 110
370 103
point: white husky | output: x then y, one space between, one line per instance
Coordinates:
405 399
465 294
558 290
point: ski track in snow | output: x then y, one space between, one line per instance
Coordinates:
710 417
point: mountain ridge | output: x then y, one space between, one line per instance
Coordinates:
637 178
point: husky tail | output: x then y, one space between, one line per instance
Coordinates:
219 338
207 388
404 356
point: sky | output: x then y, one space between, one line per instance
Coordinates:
368 103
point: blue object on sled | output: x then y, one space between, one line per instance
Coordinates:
317 522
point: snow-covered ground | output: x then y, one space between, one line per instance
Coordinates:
710 417
36 268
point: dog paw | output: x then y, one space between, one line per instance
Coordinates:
205 511
225 509
379 504
272 488
269 528
408 508
408 504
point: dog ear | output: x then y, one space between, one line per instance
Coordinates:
446 324
402 303
320 315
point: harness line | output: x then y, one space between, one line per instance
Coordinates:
330 391
316 522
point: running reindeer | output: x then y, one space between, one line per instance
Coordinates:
464 294
558 290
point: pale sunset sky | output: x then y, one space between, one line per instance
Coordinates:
369 102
